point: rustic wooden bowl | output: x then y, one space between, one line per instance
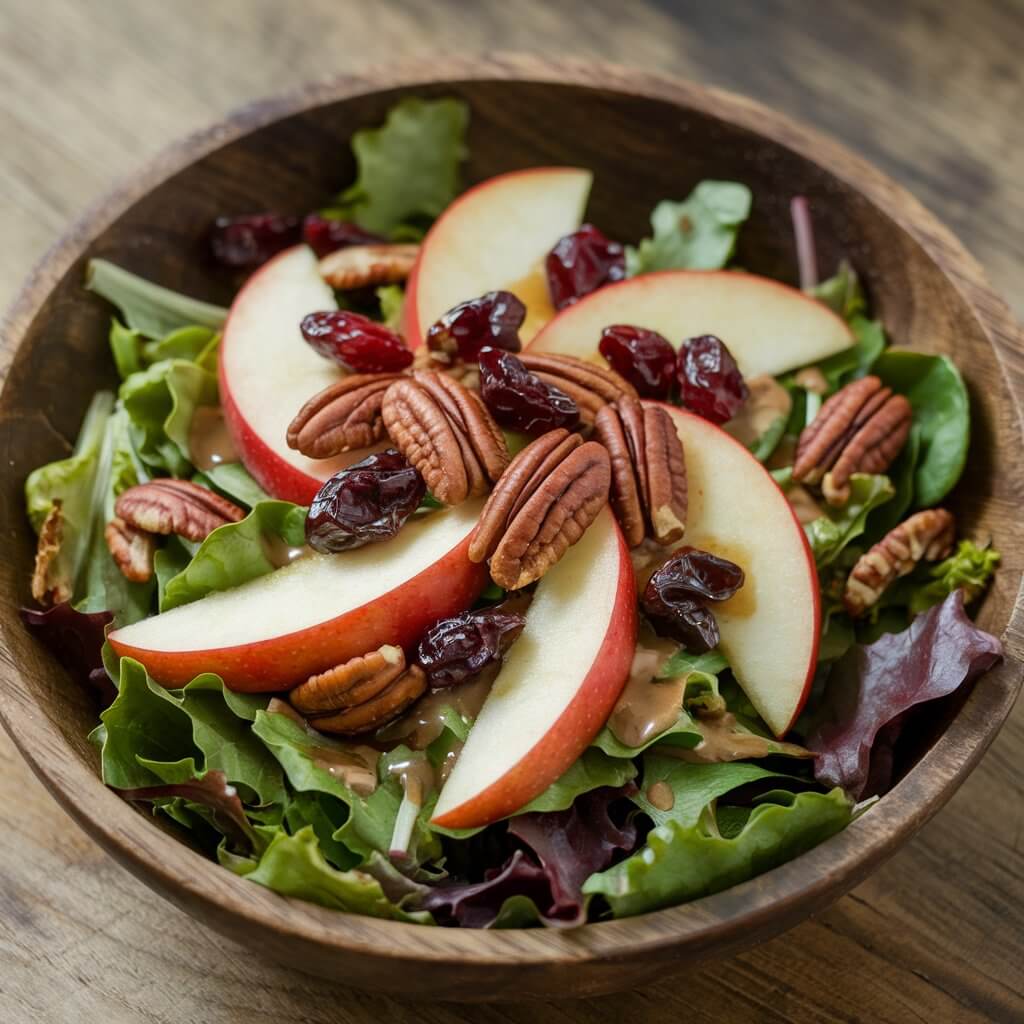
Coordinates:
647 138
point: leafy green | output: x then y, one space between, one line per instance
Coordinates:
147 308
591 771
235 553
842 292
234 481
698 233
392 299
831 533
837 637
295 866
901 475
941 416
126 348
426 135
193 344
969 568
684 862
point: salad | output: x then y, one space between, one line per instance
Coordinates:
478 569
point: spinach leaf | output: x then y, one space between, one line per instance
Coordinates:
831 533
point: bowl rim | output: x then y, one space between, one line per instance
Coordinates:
722 922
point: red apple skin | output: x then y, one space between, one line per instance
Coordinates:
578 724
812 569
410 314
400 617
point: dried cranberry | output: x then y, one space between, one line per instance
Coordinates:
367 502
247 241
355 342
710 382
643 357
456 649
492 320
687 621
324 235
691 572
580 263
520 400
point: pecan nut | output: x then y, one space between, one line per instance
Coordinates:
447 433
860 429
344 416
925 536
551 492
48 583
359 266
426 358
168 506
588 385
362 694
132 550
649 491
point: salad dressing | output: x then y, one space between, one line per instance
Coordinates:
426 721
647 706
724 740
659 795
209 440
416 775
767 403
279 553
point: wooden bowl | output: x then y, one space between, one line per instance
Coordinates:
647 138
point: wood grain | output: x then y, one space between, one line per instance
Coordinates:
907 945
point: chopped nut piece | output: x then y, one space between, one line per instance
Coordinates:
359 266
132 550
350 684
47 587
925 536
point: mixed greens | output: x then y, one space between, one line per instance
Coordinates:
628 828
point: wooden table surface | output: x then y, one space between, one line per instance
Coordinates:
931 91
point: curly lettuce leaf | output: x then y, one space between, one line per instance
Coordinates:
698 233
146 308
294 865
234 482
968 569
684 862
427 135
235 553
942 417
872 686
392 300
830 534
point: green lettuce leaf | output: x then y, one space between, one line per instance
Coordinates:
149 309
193 344
392 299
235 553
942 417
698 233
842 292
126 348
591 771
681 863
428 136
295 866
234 482
969 568
831 533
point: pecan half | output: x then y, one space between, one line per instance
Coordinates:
47 585
649 492
175 506
551 492
358 266
447 433
860 429
925 536
132 550
344 416
361 694
588 385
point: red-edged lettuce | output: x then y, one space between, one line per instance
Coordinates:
871 686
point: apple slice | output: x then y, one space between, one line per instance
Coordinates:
557 686
767 326
771 628
268 372
275 631
494 236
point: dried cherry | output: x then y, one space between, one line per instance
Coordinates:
324 235
686 620
355 342
520 400
710 382
491 320
368 501
456 649
691 572
251 239
645 358
581 263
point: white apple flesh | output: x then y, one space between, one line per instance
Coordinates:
557 686
275 631
770 629
268 372
766 325
495 236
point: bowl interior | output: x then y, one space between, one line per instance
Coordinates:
642 147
